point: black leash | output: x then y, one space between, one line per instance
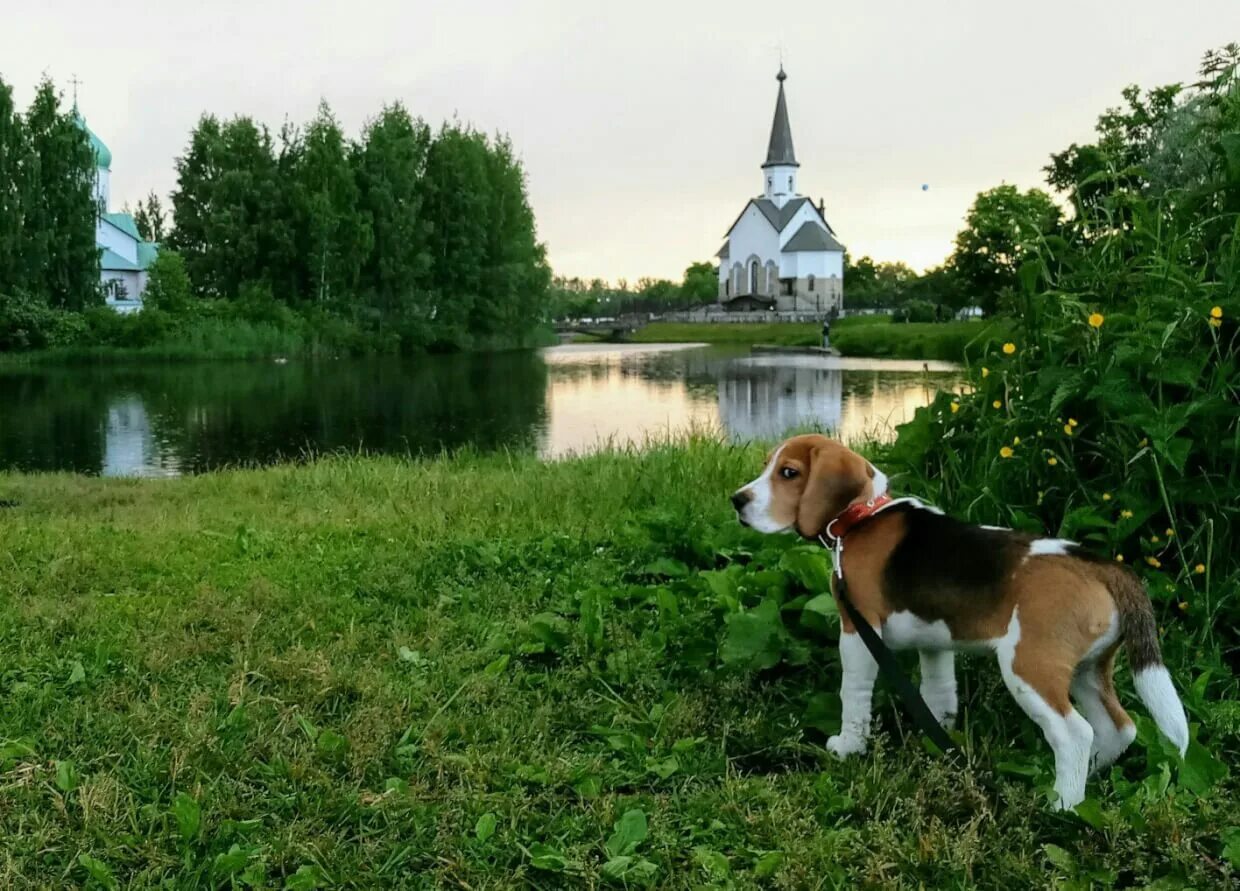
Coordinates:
888 666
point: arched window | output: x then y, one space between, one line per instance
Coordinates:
727 287
753 277
810 282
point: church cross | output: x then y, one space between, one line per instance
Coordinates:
74 80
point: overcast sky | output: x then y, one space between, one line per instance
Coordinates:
642 124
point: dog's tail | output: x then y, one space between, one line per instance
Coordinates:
1140 634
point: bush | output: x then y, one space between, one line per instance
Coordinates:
27 323
916 311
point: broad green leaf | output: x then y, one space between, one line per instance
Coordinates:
66 776
715 864
1060 858
307 878
485 827
547 858
188 814
766 865
630 831
1200 770
754 638
97 870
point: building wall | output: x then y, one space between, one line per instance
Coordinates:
103 186
776 185
752 236
107 235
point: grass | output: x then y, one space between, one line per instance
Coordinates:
778 333
948 341
490 672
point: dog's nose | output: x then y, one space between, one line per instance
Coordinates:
740 498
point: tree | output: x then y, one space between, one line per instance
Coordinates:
168 286
701 284
1001 229
389 164
60 211
12 155
149 218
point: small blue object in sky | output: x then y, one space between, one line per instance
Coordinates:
925 187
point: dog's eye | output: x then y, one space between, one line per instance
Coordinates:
789 473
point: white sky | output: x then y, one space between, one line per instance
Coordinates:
642 124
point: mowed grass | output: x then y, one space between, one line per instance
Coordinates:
776 333
488 672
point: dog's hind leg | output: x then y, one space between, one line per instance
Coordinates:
938 684
1038 676
1093 688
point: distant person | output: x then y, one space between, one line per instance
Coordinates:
826 334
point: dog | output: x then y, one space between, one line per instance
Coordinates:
1053 615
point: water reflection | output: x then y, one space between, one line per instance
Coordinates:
170 419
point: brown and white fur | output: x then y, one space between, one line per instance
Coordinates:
1053 615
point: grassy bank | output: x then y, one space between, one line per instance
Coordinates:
784 334
948 341
862 336
490 672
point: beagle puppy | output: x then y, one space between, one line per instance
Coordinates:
1053 615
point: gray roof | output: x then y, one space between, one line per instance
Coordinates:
779 149
811 237
723 251
780 217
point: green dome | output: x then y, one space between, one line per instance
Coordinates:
103 155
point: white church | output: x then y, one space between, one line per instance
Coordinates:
781 253
124 255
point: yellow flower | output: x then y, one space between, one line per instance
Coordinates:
1006 452
1183 607
1096 320
1200 569
1072 422
1052 460
1153 561
1067 429
1016 441
1154 539
1106 496
1216 312
1119 558
997 404
1009 348
955 407
985 371
1169 532
1143 443
1126 514
1216 323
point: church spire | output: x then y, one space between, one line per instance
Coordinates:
779 151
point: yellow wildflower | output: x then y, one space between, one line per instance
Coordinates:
1067 429
955 407
1169 532
1119 558
1006 452
1216 312
1072 422
985 371
1154 539
1153 561
1096 320
1009 348
1016 441
1143 443
997 404
1106 496
1052 460
1200 569
1183 607
1126 514
1216 323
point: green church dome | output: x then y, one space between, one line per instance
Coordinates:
103 155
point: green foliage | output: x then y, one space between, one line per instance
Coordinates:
700 284
149 218
1001 229
946 341
168 286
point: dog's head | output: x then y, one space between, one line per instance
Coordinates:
807 482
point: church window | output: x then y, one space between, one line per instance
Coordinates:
789 184
768 182
810 282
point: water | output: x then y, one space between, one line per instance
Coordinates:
165 420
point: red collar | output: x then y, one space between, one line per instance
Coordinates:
853 516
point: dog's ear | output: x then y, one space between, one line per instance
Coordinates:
837 476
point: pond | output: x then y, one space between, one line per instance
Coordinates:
170 419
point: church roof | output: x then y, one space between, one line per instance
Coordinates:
103 155
779 149
723 251
147 252
114 262
811 237
780 217
125 223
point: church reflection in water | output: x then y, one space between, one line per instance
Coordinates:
130 447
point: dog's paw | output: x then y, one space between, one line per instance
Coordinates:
842 746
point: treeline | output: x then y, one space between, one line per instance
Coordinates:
578 298
426 233
403 238
47 205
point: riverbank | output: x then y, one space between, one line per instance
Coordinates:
857 336
488 671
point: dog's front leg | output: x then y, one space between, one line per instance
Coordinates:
856 692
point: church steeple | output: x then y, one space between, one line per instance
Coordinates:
779 149
780 170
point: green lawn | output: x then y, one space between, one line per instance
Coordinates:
784 334
490 672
